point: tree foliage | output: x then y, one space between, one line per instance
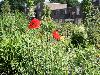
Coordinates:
87 9
46 12
38 1
16 4
20 4
5 7
91 20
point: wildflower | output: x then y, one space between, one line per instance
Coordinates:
62 38
56 35
34 24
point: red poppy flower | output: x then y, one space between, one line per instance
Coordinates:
34 24
56 35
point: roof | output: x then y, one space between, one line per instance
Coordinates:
55 6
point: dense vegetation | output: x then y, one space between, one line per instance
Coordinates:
36 52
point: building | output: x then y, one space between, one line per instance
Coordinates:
96 4
60 12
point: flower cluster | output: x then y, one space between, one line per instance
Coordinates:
35 24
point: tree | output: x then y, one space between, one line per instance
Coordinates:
87 9
31 7
15 4
91 20
19 4
46 12
70 3
38 1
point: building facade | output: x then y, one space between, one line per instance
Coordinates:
62 13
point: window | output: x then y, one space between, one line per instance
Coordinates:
62 11
54 12
77 11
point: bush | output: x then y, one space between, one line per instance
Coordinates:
93 29
29 53
76 33
79 36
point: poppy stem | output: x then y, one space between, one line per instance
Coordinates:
47 37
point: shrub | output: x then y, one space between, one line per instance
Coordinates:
79 36
76 33
29 53
93 29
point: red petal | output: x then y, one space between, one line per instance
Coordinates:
56 35
34 24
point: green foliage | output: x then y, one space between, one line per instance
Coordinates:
79 36
48 26
31 53
87 9
5 7
48 23
30 2
94 28
46 12
72 3
17 4
91 21
31 8
76 34
37 1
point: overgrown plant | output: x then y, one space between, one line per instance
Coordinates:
31 8
46 13
5 7
29 53
91 21
87 9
